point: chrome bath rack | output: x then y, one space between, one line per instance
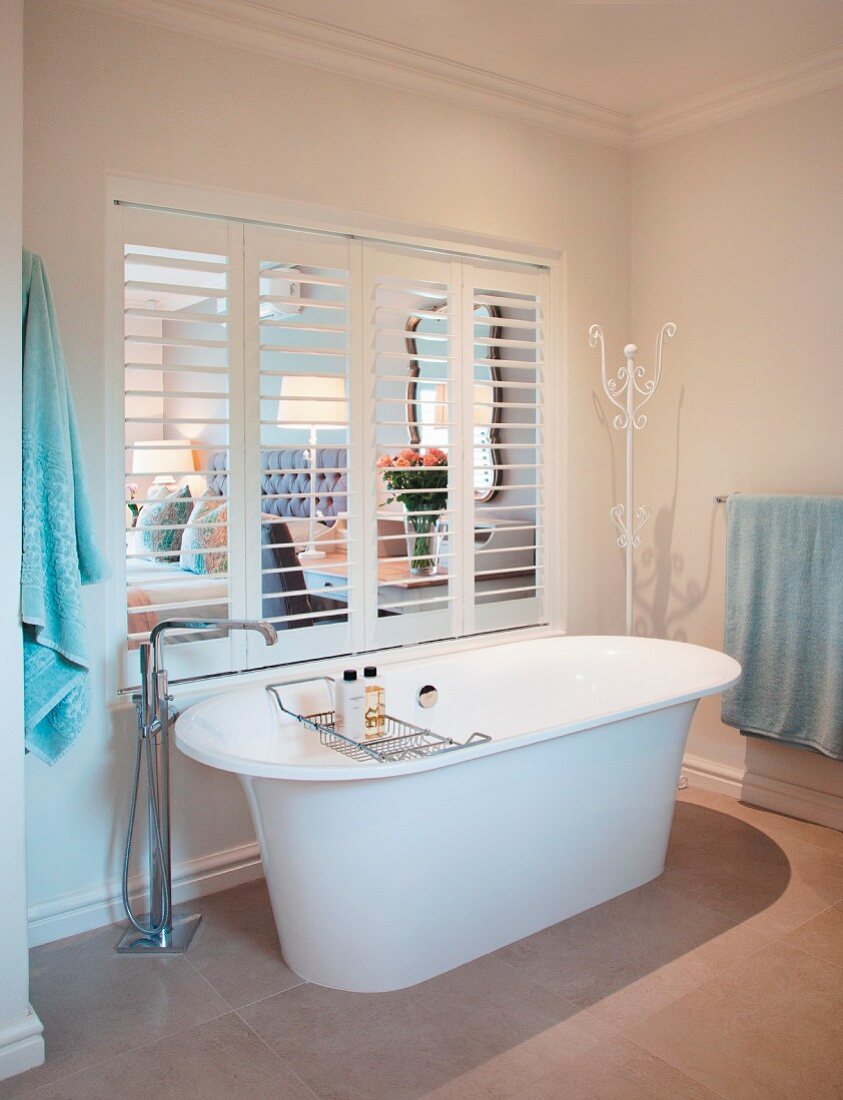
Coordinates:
401 741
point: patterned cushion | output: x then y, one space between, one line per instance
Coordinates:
173 512
207 529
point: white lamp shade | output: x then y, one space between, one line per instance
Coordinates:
162 457
313 401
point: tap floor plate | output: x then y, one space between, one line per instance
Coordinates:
174 943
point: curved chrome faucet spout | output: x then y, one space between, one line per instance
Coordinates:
270 634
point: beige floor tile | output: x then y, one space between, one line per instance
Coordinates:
771 1028
95 1004
766 820
353 1046
771 884
617 1070
236 948
504 1076
708 997
630 956
220 1060
822 936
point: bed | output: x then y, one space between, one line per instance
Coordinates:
158 590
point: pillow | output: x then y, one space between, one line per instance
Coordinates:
206 530
172 511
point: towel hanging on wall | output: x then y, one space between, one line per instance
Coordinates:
59 553
784 618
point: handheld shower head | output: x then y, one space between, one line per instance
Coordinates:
270 634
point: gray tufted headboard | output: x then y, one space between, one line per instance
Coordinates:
331 485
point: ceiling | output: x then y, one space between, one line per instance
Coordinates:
627 57
620 73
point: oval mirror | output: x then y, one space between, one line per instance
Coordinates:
427 408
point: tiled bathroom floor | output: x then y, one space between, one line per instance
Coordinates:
723 978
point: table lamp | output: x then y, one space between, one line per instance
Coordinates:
163 460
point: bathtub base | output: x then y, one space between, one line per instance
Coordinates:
378 884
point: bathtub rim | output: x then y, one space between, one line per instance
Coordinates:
190 726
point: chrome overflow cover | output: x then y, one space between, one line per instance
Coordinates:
427 696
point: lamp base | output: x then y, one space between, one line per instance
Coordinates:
310 553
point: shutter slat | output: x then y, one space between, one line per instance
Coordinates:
186 264
166 315
178 368
167 421
309 303
204 394
180 289
288 325
174 341
286 349
290 275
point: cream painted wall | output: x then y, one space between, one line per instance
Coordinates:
21 1042
737 235
107 96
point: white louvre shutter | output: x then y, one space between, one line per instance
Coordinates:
236 342
181 368
298 443
401 289
508 339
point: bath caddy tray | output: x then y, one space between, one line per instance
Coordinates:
402 740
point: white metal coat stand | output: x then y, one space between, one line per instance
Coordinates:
630 392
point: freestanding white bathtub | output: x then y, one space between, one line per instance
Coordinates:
383 875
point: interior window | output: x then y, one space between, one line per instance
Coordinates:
343 438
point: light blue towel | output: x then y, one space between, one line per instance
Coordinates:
784 618
59 551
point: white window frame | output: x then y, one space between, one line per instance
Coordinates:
277 213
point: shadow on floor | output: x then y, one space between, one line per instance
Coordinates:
520 1010
719 872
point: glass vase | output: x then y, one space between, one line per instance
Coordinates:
424 534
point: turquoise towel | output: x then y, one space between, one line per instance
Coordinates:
784 618
59 552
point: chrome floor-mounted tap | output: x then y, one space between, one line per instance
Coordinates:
161 934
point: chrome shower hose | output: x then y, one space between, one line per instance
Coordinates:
152 781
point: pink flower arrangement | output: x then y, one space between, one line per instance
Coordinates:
418 481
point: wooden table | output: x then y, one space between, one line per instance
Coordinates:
393 573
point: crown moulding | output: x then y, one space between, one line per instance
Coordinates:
254 26
814 73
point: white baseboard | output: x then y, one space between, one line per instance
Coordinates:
791 799
712 776
21 1045
94 908
762 790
